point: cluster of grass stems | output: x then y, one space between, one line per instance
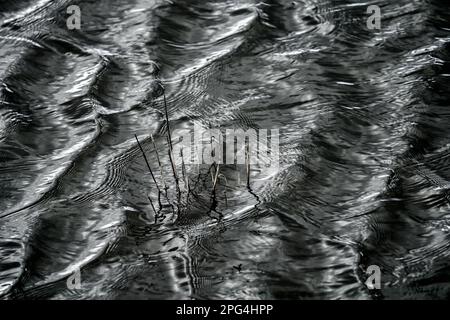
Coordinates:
213 171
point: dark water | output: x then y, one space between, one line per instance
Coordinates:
364 149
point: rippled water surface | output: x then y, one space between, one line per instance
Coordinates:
363 177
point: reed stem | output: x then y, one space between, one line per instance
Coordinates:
146 161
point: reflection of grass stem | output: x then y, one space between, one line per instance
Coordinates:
183 169
159 164
169 139
151 173
226 187
247 164
153 207
169 134
185 177
146 161
217 174
174 171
